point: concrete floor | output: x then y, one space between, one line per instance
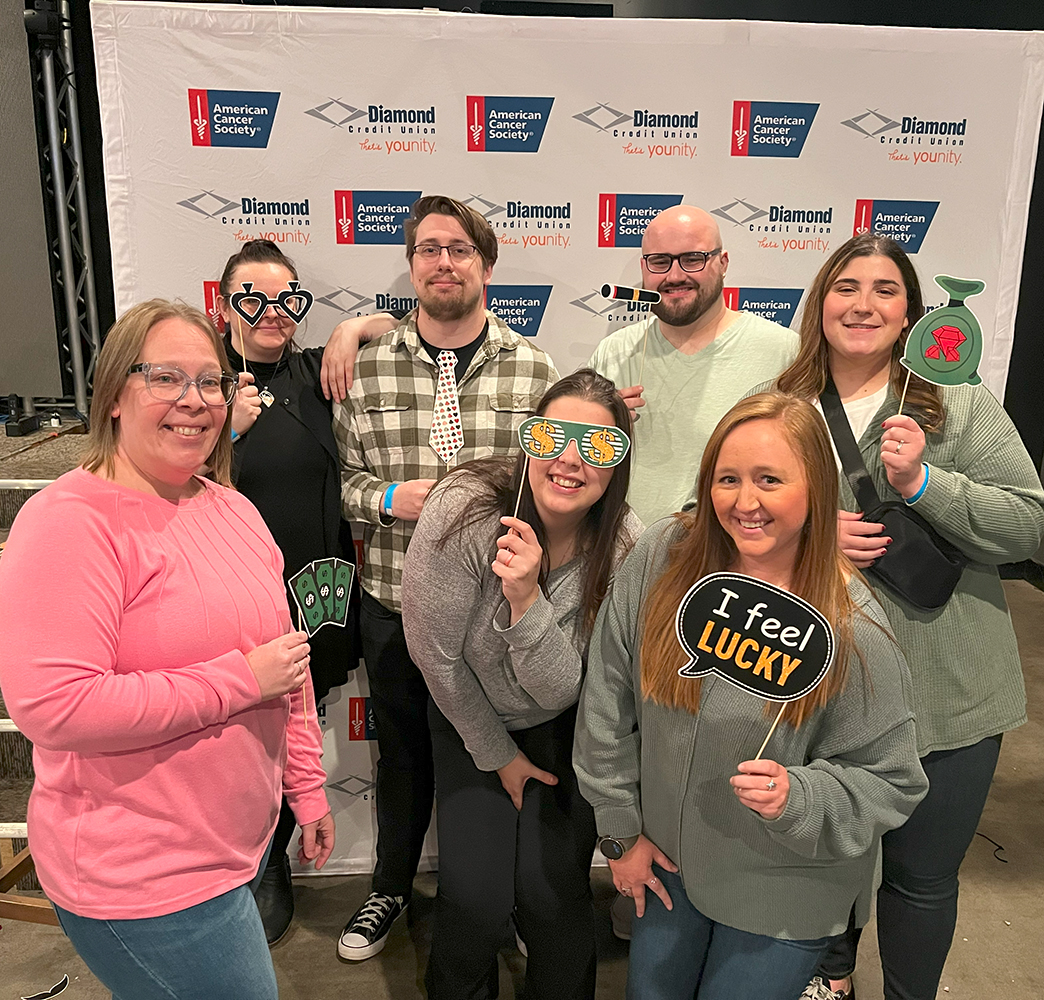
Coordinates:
996 952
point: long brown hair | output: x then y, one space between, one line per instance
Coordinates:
807 376
820 570
122 348
601 536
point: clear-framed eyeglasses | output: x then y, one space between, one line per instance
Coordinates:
459 252
169 383
694 260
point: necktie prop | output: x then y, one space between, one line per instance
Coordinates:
250 306
600 445
758 637
321 591
627 294
447 435
945 345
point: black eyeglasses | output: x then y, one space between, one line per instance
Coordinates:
169 383
694 260
458 251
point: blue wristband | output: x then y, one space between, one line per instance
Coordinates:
386 501
924 486
235 435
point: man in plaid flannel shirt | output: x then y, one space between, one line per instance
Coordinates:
388 467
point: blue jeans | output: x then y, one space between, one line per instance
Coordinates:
680 954
212 950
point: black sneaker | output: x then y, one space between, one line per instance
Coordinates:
367 932
275 898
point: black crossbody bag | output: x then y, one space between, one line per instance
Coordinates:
919 566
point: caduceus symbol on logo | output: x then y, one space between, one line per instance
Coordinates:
476 128
607 224
345 221
200 121
862 226
741 132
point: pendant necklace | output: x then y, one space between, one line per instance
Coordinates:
264 395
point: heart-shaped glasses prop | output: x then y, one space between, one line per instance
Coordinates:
293 301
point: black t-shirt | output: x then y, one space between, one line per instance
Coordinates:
464 354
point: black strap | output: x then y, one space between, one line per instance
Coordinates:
866 494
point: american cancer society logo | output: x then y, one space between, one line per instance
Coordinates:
520 306
906 222
622 218
360 720
507 124
777 305
372 216
770 128
232 117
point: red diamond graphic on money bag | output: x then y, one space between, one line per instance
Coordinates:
945 345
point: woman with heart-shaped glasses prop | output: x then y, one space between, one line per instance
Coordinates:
285 462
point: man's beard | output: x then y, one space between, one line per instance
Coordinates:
683 313
448 307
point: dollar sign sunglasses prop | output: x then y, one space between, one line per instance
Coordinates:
294 302
626 294
758 637
321 591
600 445
945 345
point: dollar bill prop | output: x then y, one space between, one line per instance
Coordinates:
322 591
599 445
945 345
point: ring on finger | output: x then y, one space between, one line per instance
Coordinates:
653 880
771 784
899 447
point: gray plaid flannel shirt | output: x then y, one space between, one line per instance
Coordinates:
383 425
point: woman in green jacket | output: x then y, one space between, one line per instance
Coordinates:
957 459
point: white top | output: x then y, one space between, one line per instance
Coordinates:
686 395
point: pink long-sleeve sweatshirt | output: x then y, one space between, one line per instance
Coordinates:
125 624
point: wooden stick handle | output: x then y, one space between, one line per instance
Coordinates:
905 387
304 683
779 716
645 344
521 486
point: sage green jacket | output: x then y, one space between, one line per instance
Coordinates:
853 769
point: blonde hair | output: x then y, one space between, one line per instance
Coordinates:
122 348
820 570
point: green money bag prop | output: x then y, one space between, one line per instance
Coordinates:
945 345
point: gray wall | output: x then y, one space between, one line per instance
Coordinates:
29 362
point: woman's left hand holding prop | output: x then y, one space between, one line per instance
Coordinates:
902 448
762 785
247 405
316 842
518 565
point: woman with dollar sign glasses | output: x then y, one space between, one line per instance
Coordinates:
285 461
957 459
497 610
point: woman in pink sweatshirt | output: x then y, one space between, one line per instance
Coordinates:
146 651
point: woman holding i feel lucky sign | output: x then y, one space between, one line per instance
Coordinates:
956 459
743 871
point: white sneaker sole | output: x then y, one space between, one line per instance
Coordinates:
357 954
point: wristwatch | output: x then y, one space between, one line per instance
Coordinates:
615 848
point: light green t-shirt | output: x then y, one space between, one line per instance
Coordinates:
686 395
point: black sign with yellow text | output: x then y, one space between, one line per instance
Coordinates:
757 636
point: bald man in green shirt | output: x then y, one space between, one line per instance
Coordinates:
694 358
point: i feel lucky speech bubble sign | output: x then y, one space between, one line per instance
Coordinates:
757 636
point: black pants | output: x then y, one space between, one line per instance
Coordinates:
493 859
405 777
917 901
